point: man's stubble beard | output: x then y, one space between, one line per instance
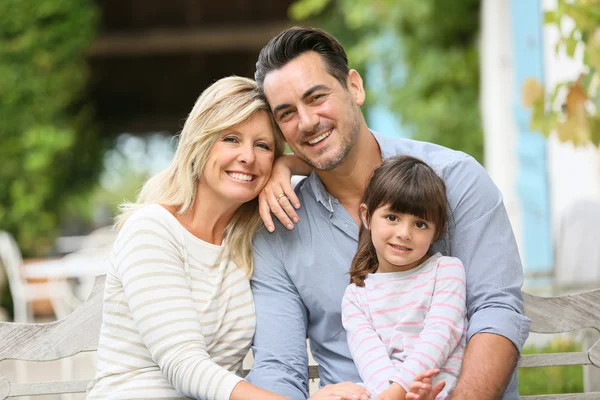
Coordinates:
345 147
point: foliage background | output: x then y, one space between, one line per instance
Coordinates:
51 154
430 61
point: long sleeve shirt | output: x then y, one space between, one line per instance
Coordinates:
402 323
178 317
300 276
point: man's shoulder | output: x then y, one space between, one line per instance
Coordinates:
434 154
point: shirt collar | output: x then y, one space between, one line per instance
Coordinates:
316 185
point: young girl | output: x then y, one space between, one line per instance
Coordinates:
404 310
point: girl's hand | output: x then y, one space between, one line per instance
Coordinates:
278 195
421 388
394 392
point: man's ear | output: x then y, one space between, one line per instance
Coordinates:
355 86
364 215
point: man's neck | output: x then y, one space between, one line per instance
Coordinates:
348 181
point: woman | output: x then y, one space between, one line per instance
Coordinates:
178 314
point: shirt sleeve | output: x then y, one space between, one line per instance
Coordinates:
280 352
444 325
482 238
368 351
149 265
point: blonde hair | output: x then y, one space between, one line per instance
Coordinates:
226 103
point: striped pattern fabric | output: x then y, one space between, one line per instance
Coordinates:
178 318
403 323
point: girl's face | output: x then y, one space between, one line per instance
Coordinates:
401 240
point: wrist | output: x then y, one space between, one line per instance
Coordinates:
397 390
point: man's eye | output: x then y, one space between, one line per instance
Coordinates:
284 115
316 97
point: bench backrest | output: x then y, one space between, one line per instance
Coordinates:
79 332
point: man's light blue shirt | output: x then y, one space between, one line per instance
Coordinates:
300 275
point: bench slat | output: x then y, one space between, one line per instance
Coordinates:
50 387
571 396
552 359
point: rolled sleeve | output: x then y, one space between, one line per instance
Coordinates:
482 238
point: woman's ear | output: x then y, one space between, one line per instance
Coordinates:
364 215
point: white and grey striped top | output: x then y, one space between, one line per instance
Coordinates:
177 320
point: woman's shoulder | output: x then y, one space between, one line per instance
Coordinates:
152 217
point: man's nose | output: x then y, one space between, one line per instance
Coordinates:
307 120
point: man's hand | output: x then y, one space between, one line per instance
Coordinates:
278 196
342 391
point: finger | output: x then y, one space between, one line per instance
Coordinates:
279 213
285 203
416 386
288 190
428 374
412 396
265 213
437 389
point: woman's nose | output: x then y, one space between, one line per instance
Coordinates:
247 155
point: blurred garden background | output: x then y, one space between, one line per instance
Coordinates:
94 92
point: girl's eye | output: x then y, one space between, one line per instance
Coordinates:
391 218
421 225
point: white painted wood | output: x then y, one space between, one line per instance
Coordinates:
76 333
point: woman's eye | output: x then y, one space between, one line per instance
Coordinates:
264 146
230 139
421 225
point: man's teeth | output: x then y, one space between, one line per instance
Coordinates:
241 177
320 137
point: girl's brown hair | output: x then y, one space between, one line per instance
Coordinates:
407 185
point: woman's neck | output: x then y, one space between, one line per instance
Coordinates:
208 217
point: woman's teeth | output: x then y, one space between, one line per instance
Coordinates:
240 177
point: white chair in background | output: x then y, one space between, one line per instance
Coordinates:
24 293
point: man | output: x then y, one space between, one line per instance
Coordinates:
301 274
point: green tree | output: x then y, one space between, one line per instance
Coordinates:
430 60
49 148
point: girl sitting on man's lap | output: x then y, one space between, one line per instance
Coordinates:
404 310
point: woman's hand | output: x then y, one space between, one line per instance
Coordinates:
341 391
278 195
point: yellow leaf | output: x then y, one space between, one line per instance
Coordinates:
532 92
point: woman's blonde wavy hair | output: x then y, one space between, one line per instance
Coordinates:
224 104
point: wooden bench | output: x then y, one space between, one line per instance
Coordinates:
79 333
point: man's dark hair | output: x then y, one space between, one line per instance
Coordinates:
296 41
